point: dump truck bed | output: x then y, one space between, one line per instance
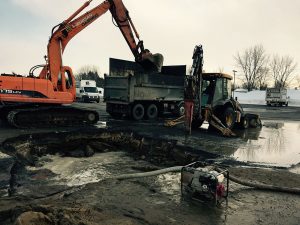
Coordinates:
127 82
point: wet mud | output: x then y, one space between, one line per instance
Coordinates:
61 178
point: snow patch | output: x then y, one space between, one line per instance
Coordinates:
258 97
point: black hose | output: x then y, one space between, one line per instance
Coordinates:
52 31
261 186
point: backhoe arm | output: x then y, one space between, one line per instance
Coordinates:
65 31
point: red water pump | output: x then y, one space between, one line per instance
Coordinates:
204 183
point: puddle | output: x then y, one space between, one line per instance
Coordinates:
276 144
295 169
78 171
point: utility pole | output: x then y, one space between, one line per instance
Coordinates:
234 71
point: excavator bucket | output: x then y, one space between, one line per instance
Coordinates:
152 62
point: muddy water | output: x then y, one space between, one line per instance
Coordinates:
277 143
72 171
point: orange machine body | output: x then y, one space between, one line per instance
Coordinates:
35 90
56 83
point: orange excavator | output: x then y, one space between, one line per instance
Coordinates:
38 100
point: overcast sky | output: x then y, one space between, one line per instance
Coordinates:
170 27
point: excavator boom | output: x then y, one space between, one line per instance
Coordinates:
69 28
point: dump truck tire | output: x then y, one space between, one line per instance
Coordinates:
152 112
138 111
179 110
228 118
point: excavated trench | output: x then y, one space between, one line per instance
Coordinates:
60 178
44 165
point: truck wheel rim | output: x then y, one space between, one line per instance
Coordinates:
181 110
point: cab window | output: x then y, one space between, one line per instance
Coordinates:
69 81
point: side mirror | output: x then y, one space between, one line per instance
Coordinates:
81 91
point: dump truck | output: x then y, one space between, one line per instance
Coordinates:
130 91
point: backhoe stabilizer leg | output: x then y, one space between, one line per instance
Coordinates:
216 123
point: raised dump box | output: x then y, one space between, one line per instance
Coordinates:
131 91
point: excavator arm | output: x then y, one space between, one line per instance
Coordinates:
64 32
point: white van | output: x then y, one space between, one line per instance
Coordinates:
101 92
86 91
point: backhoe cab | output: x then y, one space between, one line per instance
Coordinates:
219 108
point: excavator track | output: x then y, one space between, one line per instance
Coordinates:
58 116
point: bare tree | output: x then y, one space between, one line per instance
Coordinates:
253 62
263 75
85 70
298 80
282 69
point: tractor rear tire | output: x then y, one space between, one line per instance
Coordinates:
138 111
228 118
